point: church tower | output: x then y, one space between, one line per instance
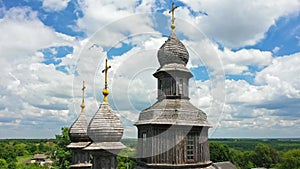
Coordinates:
173 133
106 130
80 139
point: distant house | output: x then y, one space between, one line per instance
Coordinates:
41 159
224 165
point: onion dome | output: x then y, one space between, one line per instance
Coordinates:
173 51
105 126
78 130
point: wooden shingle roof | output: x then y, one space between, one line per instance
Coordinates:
173 51
105 126
78 130
173 112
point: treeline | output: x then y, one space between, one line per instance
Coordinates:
262 155
284 144
244 153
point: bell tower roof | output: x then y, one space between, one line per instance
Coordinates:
172 51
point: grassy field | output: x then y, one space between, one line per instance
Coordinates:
22 159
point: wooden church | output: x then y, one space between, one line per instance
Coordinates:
172 133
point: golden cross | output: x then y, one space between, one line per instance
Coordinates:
82 104
105 70
173 18
105 91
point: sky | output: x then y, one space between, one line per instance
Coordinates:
244 57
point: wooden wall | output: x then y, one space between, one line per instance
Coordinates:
168 145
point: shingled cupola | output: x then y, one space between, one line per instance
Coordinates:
79 139
106 130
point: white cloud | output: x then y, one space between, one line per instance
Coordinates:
206 53
282 70
94 12
238 62
23 33
271 103
30 89
33 93
276 49
114 21
55 5
237 23
130 82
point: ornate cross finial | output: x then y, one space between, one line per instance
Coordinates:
173 18
105 91
82 104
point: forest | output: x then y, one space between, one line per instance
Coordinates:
244 153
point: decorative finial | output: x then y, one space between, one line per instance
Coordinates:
173 18
105 91
82 104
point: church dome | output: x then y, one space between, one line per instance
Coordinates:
173 51
105 126
78 130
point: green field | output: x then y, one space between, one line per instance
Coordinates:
244 153
22 159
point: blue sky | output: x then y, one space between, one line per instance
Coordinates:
244 56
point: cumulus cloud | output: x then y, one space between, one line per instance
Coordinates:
238 23
55 5
238 62
114 12
22 32
127 76
34 93
270 103
285 69
31 90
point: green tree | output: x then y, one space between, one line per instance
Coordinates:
32 148
219 152
126 159
290 160
31 166
3 164
62 155
49 147
265 156
12 165
242 159
20 149
41 148
9 153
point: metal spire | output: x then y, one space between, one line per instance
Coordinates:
173 18
105 91
82 104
